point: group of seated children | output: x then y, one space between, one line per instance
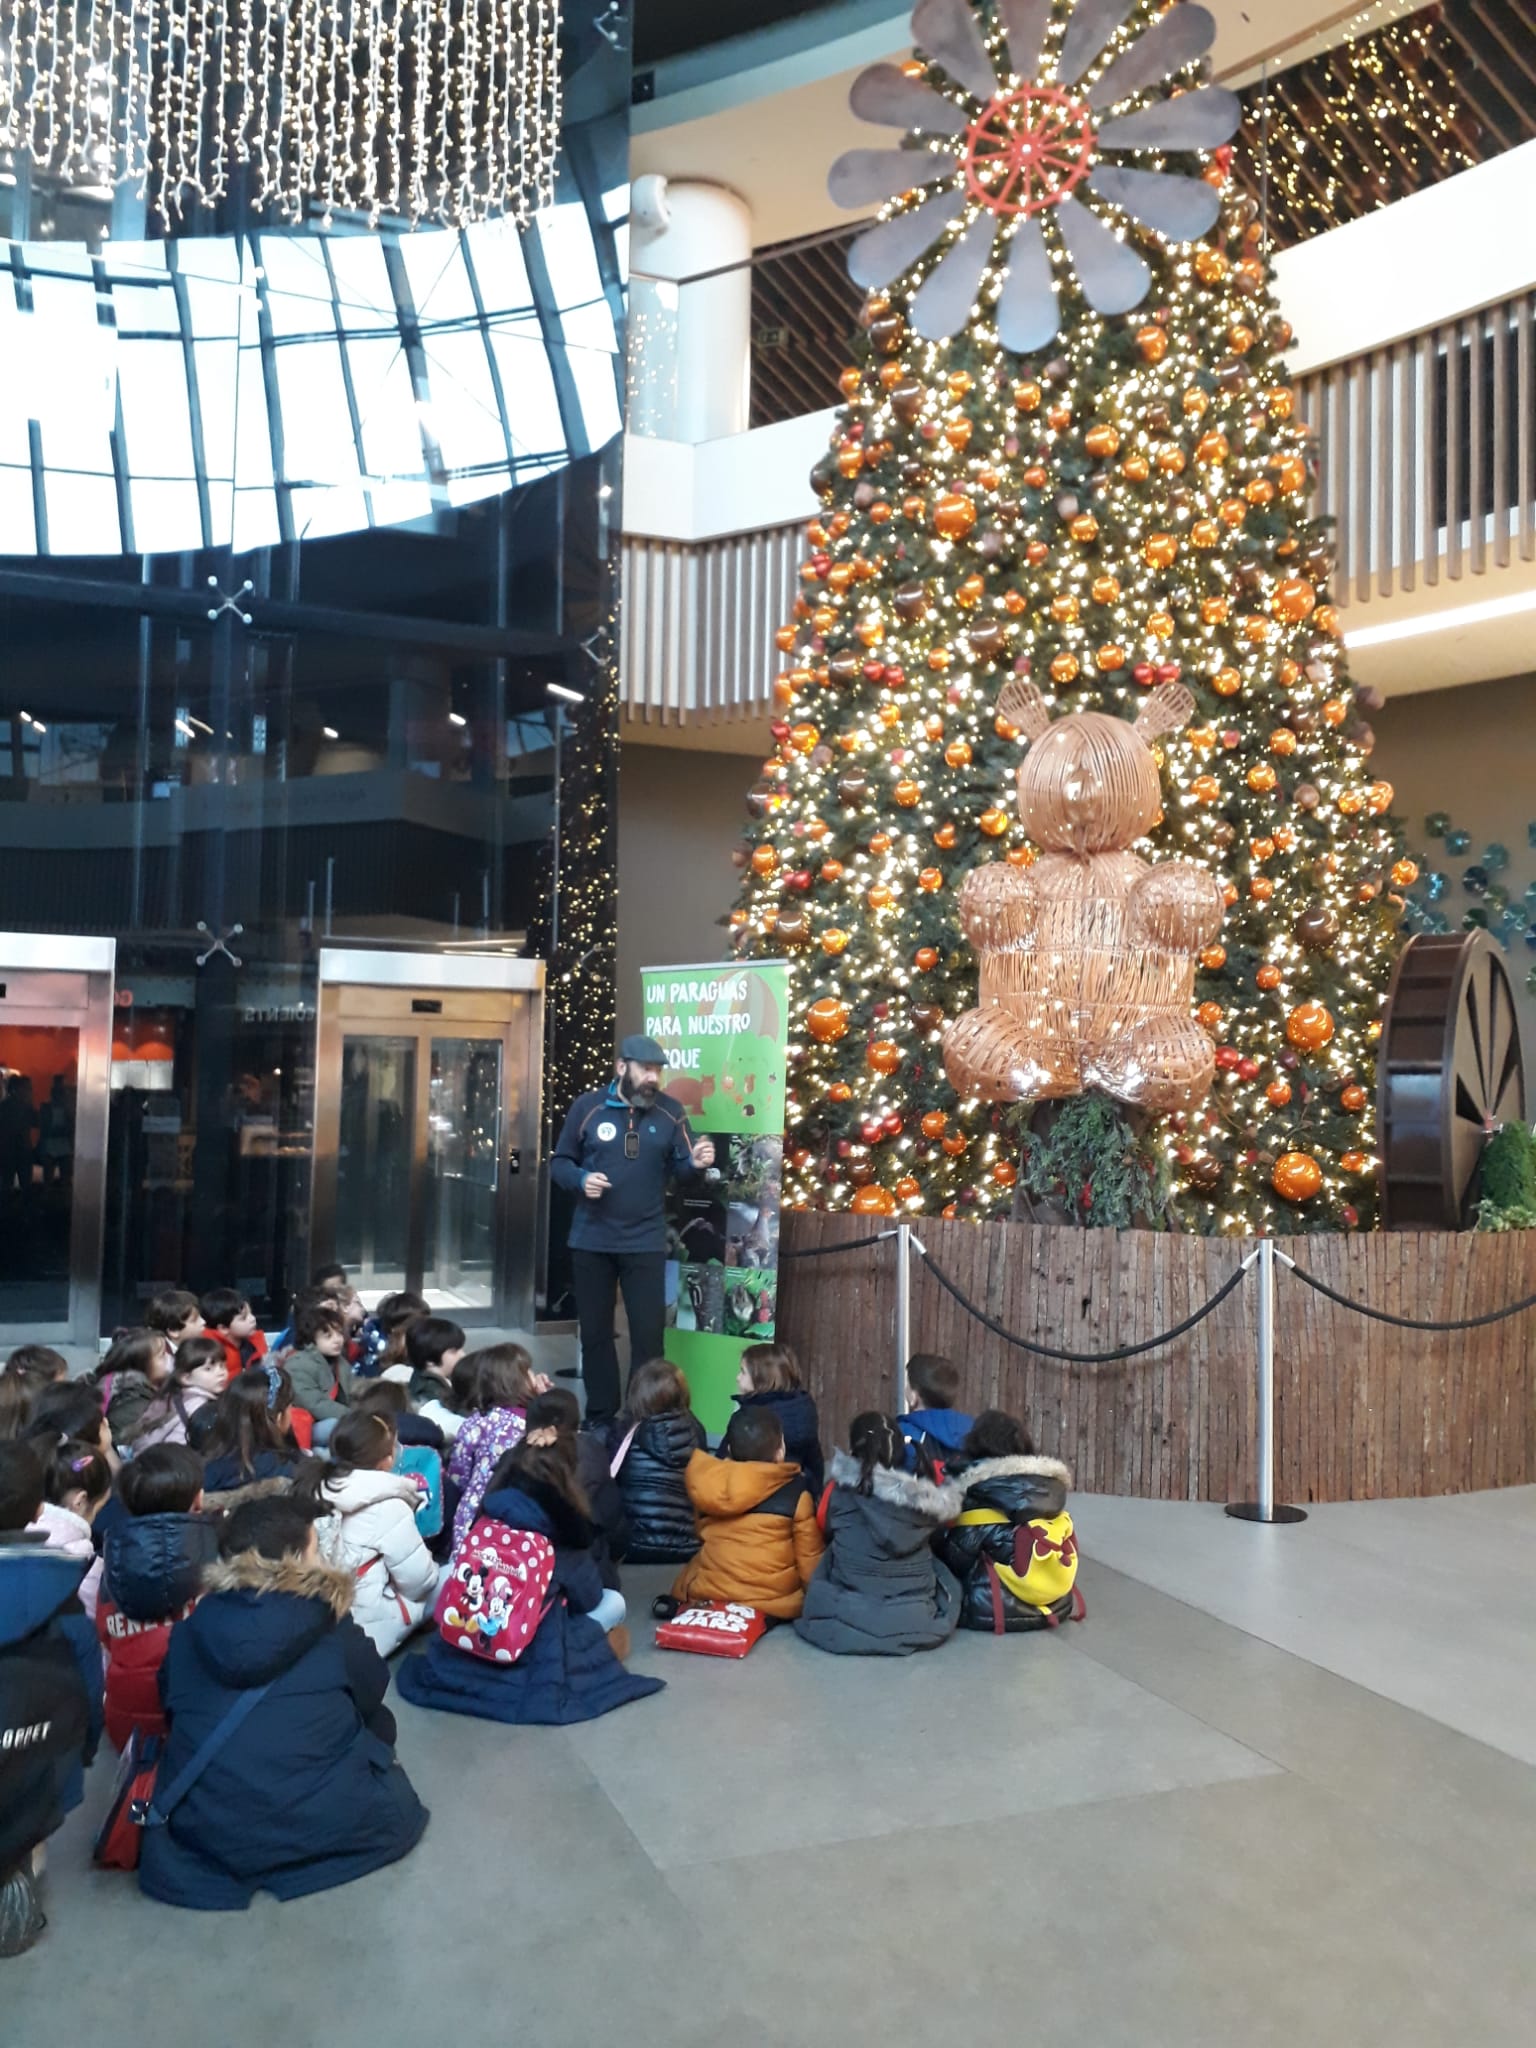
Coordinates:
174 1554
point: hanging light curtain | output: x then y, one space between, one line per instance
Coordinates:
445 110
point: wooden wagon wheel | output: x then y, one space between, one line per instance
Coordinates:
1449 1072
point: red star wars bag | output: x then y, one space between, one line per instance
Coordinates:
712 1628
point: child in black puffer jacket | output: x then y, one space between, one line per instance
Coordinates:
770 1377
1012 1549
653 1440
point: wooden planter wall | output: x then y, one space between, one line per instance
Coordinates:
1365 1411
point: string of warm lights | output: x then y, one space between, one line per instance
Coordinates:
424 109
1129 508
1308 126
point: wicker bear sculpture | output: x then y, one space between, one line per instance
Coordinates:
1087 958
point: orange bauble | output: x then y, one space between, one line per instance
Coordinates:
1212 448
1102 441
827 1020
1355 1162
1297 1176
1210 265
994 822
1213 959
1084 527
1213 611
1005 1173
884 1056
906 794
880 842
1110 657
1208 1016
933 1124
1294 600
1309 1026
764 860
1065 609
834 940
1405 873
1136 469
1227 682
1027 396
1279 1094
1205 533
1160 550
1064 668
1153 343
840 1092
958 753
1268 977
954 516
880 897
926 958
931 879
1354 1097
873 1201
955 1144
1335 711
1261 888
1104 590
1379 797
1282 741
1205 789
945 836
1262 778
907 1188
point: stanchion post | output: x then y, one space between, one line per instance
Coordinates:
1264 1509
903 1309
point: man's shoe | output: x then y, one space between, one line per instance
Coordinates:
22 1918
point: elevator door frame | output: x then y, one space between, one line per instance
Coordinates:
382 984
80 999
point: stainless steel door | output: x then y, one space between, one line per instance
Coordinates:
427 1127
55 1087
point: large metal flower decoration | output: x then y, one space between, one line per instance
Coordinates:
1020 130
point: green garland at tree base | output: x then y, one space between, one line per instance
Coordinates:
1089 1161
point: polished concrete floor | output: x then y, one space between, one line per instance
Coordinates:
1277 1789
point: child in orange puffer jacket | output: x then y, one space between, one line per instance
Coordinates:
759 1543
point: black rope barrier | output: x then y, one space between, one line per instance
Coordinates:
1082 1357
1382 1315
830 1251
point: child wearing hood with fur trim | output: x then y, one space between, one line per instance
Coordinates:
1012 1546
879 1591
304 1793
370 1529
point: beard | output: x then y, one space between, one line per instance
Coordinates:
641 1093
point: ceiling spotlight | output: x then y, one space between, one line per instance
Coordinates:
567 696
330 732
457 718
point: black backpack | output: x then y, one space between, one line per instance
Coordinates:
44 1726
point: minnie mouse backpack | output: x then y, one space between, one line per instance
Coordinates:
496 1592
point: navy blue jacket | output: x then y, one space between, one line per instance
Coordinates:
568 1672
631 1216
224 1480
802 1430
942 1430
306 1793
50 1692
153 1566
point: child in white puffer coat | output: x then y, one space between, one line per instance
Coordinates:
370 1530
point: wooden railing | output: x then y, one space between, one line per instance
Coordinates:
1428 469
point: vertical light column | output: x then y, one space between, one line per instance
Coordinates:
690 344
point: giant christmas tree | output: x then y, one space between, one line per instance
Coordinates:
1069 451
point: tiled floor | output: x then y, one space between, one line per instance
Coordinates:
1268 1822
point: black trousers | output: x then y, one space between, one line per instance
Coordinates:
597 1277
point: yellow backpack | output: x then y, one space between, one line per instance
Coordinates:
1044 1568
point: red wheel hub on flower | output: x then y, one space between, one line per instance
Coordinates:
1028 149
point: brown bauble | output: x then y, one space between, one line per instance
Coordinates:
1316 928
1204 1174
910 601
852 790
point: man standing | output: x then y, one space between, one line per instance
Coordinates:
617 1148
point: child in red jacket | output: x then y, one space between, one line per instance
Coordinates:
152 1577
228 1316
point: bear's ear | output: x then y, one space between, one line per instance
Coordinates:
1169 708
1022 705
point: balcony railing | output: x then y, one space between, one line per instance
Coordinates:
1428 469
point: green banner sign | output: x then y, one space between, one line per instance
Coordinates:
725 1031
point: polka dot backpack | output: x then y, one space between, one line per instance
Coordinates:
496 1593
